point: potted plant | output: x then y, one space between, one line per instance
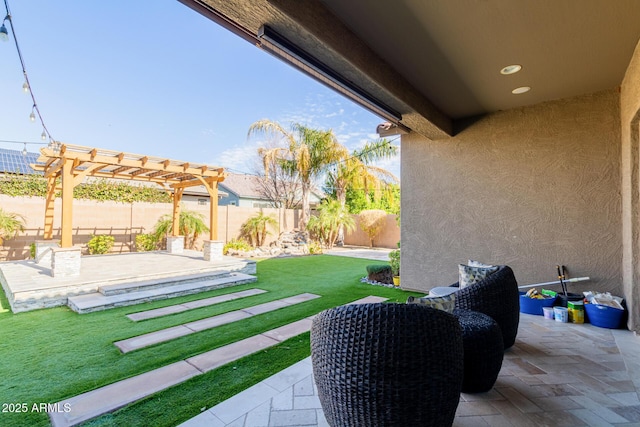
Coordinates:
394 261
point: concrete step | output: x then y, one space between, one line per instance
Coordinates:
97 301
154 283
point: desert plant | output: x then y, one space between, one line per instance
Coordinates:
236 244
394 261
379 273
32 250
100 244
190 225
331 216
372 221
314 247
255 228
10 224
146 242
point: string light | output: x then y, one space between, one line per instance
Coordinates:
4 34
24 150
26 87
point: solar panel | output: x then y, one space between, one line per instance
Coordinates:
13 161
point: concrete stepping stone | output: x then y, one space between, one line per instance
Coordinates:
179 308
113 396
107 399
163 335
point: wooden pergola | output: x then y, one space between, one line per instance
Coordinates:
73 163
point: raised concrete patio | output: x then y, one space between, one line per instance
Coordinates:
29 286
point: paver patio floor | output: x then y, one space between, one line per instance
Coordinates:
557 374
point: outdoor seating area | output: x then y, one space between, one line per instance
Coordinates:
554 373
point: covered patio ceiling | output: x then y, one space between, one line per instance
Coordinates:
73 163
437 63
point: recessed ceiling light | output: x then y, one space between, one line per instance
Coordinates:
511 69
521 89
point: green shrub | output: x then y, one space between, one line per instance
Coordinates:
379 273
32 250
100 244
146 242
236 244
394 261
378 268
314 247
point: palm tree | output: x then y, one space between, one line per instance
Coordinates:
307 154
331 218
256 226
356 171
10 224
190 225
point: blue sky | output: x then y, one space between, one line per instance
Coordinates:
155 77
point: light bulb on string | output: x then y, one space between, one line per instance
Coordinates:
24 150
25 87
4 34
32 116
43 135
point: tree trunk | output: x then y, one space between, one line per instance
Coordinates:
305 212
341 195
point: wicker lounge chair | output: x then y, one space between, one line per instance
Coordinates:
387 365
496 296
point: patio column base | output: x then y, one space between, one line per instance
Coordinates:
175 244
43 251
213 250
65 262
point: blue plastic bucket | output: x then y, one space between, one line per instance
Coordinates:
534 305
603 316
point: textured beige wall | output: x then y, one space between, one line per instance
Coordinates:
530 187
630 136
124 221
388 238
121 220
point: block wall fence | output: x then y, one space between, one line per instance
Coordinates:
125 220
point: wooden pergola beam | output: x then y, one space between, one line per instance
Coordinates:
74 163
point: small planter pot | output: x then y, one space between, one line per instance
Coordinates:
396 280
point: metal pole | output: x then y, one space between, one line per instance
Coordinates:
557 282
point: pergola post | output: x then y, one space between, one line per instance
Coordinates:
49 205
66 240
213 211
177 197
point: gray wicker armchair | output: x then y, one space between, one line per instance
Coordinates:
387 365
496 296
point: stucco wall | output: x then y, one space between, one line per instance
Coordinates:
530 187
630 136
123 221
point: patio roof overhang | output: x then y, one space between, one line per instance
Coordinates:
74 163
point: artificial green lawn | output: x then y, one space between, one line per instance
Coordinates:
53 354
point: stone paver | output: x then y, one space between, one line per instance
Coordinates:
111 397
163 335
179 308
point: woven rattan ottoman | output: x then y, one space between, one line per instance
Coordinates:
483 350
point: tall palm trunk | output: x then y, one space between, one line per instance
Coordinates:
305 212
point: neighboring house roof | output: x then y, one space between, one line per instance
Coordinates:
244 186
248 186
13 161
